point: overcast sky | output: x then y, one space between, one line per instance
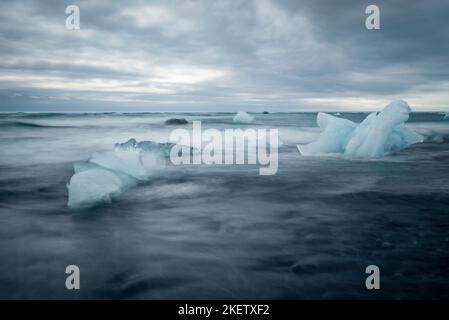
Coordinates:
223 55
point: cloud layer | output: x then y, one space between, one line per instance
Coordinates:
223 55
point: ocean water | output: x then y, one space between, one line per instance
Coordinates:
223 231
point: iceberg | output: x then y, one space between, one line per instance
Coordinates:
377 135
243 118
108 173
446 116
336 133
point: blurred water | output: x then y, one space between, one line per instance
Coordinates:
223 231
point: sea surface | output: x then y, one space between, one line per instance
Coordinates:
307 232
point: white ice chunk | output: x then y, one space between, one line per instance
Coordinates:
336 133
377 135
243 118
134 162
109 173
93 186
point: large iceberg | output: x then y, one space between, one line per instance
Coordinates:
109 173
377 135
243 118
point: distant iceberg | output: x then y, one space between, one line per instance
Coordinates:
243 118
109 173
378 135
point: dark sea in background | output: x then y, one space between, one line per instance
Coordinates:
223 231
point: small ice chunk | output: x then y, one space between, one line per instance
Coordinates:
133 162
109 173
89 187
243 118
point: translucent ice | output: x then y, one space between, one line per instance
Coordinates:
243 118
335 135
377 135
87 188
108 173
446 116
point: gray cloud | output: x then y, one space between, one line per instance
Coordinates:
222 55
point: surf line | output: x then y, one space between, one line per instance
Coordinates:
212 146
